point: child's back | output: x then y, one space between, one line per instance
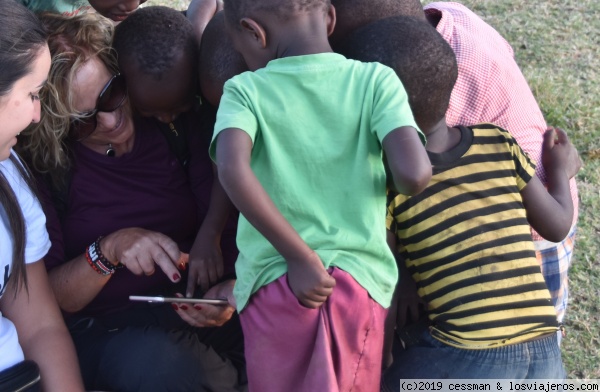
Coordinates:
316 122
466 242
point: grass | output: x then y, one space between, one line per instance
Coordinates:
555 44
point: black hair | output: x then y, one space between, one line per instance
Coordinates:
219 61
154 38
353 14
283 9
21 39
418 54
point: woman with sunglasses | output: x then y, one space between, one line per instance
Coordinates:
32 331
120 212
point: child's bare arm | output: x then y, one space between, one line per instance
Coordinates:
307 276
407 160
550 212
206 259
200 12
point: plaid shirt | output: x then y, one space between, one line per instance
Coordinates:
490 85
491 88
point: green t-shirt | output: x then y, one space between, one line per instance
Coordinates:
317 123
65 7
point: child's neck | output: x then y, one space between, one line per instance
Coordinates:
302 35
301 49
442 138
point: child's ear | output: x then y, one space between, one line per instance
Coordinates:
255 30
331 19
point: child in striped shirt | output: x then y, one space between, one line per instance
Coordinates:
465 239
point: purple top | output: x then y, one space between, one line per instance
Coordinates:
145 188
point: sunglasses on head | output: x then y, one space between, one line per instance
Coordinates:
110 99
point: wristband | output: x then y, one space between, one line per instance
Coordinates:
97 261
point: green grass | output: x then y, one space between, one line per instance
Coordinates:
555 44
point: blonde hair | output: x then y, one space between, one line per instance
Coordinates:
72 42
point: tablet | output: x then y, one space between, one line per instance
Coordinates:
218 302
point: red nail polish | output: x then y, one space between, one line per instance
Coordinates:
174 306
184 307
197 307
176 277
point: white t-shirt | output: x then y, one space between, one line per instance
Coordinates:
36 247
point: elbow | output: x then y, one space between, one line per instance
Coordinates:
413 182
556 234
69 308
225 174
67 304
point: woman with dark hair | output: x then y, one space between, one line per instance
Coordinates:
32 331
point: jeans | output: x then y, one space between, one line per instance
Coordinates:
151 349
432 359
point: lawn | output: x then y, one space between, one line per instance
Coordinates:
555 44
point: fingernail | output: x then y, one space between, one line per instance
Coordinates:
176 277
174 306
184 307
181 266
197 307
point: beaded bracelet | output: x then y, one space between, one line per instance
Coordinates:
97 261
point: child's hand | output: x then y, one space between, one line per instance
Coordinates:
558 153
309 281
206 265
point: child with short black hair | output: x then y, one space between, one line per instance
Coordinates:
219 61
158 54
298 144
465 239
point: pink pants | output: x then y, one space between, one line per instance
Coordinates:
336 347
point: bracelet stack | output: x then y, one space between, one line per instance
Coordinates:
97 261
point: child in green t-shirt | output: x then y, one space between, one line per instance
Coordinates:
298 145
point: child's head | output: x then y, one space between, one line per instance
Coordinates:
158 55
116 10
219 61
268 29
353 14
418 54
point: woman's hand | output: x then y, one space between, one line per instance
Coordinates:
205 315
140 251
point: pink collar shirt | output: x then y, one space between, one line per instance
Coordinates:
490 86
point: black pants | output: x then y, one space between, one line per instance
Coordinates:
151 349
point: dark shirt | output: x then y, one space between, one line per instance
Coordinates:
146 188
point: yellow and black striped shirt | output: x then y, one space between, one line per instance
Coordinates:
467 243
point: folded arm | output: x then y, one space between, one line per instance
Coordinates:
307 276
550 212
407 160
